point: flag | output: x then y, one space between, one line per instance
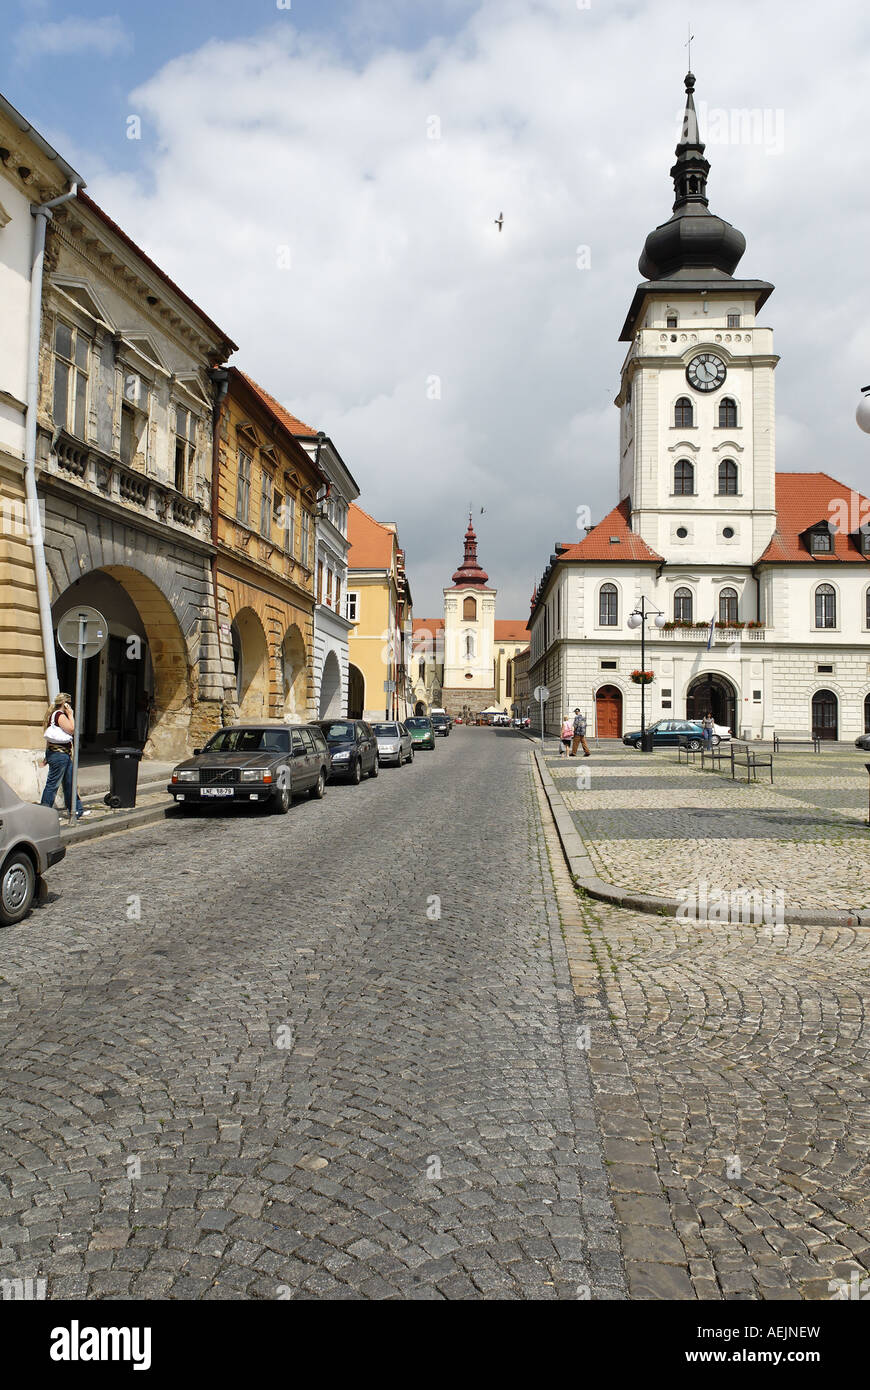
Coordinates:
710 634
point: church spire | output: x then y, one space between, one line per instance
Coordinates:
470 572
691 169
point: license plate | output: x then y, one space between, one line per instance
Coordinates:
217 791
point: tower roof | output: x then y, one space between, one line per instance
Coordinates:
470 572
693 239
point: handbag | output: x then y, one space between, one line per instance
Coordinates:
59 737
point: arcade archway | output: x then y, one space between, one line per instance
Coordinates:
294 674
356 693
251 658
713 694
330 688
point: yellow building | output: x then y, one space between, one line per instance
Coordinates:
266 491
379 605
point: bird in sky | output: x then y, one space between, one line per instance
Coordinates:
499 221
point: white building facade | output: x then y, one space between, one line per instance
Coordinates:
761 579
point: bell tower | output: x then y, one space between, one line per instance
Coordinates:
696 398
469 634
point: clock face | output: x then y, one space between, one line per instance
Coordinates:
706 372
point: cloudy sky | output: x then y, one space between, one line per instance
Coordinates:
323 176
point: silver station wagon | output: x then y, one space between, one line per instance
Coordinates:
268 762
29 845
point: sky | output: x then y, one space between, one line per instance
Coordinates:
323 178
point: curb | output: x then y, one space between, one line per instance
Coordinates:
113 824
584 875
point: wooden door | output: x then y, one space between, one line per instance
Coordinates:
608 706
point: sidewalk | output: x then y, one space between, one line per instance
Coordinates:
151 800
654 834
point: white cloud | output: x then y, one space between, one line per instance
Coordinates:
63 37
564 119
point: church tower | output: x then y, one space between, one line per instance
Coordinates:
697 451
469 635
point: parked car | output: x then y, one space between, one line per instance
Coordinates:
863 741
352 747
394 743
420 728
672 731
29 845
269 763
441 724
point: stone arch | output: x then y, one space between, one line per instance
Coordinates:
713 692
251 661
294 674
330 688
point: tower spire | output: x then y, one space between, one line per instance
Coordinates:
470 572
691 169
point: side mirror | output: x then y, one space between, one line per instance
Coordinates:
196 752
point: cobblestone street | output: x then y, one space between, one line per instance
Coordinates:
292 1077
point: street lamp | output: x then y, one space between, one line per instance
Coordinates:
862 414
638 619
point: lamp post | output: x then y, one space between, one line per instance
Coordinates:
862 414
638 619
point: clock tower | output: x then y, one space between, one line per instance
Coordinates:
697 447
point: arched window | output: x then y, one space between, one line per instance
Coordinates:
682 605
826 606
728 605
684 479
608 606
469 609
727 413
727 478
684 414
867 609
469 646
867 714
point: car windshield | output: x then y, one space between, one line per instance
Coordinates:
439 718
386 730
337 732
417 723
249 741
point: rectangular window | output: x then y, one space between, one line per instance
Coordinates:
305 555
128 435
338 593
70 396
867 609
329 586
267 485
351 606
821 542
185 448
732 321
243 488
611 666
319 581
290 519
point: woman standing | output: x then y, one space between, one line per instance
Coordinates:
707 727
58 729
565 737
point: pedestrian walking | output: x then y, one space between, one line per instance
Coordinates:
707 728
579 740
58 728
565 737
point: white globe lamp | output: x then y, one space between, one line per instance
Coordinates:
634 620
862 414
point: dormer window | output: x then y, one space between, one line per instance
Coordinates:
820 539
862 539
671 321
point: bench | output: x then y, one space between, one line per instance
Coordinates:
752 760
713 756
798 740
684 752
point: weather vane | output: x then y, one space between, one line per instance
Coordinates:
689 44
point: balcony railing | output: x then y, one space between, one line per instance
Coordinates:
727 635
106 477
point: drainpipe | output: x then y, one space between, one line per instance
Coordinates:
41 213
220 378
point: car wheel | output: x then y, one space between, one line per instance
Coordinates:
411 756
280 801
694 744
316 792
356 774
17 888
636 744
716 740
375 769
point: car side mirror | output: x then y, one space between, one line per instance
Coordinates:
196 752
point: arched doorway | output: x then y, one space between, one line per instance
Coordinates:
356 693
715 694
867 714
294 674
825 714
251 657
420 707
608 712
330 688
140 688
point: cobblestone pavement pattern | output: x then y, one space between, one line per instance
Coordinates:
657 826
730 1072
424 1131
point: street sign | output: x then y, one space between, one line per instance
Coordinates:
90 639
542 693
81 632
389 687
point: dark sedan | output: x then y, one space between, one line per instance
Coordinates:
353 748
441 724
268 763
863 741
669 732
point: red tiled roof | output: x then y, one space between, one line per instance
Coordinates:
371 543
802 499
289 421
104 217
428 624
597 544
511 630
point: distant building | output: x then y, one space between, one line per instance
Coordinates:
378 605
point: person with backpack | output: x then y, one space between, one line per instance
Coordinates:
579 735
58 728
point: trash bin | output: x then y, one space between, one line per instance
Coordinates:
123 776
646 741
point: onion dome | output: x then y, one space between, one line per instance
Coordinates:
469 571
694 238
